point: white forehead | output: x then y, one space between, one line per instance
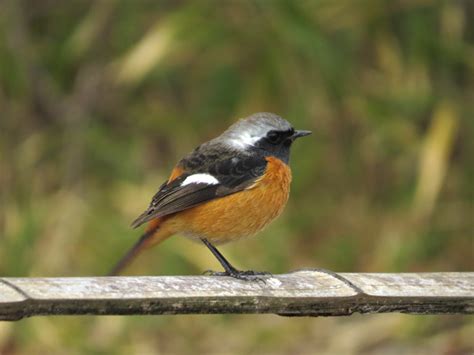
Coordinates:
249 130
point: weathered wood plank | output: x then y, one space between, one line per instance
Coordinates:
302 293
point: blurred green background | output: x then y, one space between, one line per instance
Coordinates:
99 99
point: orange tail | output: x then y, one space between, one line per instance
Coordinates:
153 235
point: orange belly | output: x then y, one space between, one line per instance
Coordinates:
238 215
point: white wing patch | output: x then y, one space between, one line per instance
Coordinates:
200 179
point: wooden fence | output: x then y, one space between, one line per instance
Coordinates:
301 293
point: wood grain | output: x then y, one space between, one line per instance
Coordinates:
302 293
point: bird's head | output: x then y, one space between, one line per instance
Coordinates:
265 132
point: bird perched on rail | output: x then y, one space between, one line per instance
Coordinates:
227 188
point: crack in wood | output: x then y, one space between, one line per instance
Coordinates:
15 288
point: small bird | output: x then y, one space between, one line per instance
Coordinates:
227 188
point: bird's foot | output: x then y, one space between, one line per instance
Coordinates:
247 275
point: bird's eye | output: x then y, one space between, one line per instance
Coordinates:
273 137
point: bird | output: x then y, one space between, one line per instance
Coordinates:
228 188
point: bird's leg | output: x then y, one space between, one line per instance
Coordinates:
231 271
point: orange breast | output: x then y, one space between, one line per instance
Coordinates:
241 214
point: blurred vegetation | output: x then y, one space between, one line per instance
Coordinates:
99 99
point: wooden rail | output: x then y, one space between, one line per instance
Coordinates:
301 293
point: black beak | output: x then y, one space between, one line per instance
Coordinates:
300 133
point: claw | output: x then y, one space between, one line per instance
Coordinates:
248 275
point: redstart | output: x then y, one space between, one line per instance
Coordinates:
227 188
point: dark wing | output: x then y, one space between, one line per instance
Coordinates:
233 174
